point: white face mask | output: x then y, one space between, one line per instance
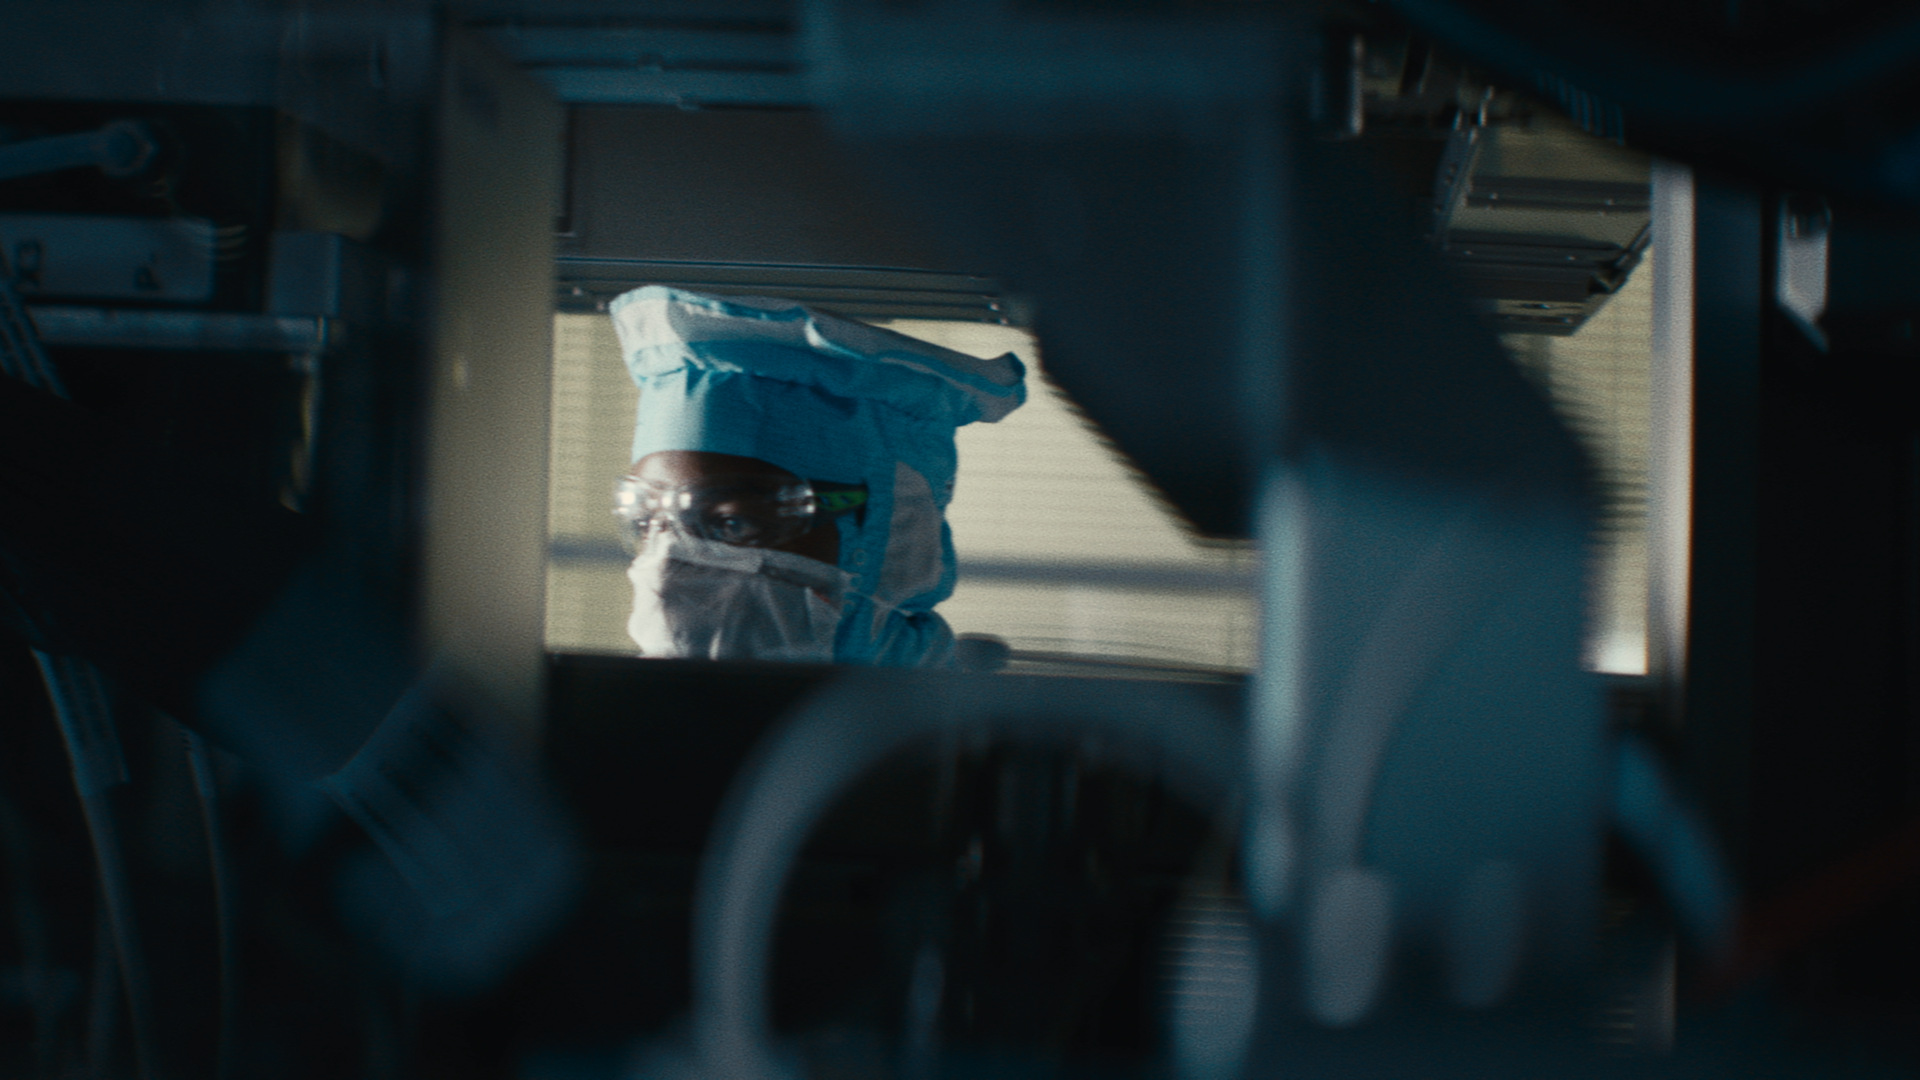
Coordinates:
702 598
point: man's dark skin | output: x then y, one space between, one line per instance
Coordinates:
676 467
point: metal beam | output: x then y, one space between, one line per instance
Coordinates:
120 328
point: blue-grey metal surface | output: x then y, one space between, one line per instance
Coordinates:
132 51
614 12
109 258
111 328
328 275
641 46
657 86
118 149
961 70
356 69
686 55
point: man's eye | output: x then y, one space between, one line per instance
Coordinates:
733 521
733 528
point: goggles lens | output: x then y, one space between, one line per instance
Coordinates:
751 511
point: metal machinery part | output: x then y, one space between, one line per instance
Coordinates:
1543 252
761 831
319 295
165 260
1540 217
121 148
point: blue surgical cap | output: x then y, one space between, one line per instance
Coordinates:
826 399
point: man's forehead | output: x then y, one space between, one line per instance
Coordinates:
673 467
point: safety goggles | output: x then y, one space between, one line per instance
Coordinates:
750 511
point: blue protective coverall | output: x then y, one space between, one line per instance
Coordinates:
827 399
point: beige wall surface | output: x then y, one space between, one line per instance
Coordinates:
497 184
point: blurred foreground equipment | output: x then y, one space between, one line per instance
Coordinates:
280 550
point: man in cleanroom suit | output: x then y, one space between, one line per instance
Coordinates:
791 475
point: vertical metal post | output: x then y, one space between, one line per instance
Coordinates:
1275 727
1717 702
484 559
1670 422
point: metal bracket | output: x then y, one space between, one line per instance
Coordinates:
109 328
121 148
1800 271
98 257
